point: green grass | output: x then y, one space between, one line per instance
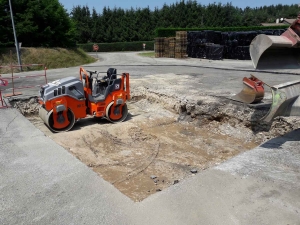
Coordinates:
52 58
147 54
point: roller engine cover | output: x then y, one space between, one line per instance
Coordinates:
70 86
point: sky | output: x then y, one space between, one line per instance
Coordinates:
127 4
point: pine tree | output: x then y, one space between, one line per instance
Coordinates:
42 23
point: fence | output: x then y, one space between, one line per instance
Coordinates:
9 82
3 83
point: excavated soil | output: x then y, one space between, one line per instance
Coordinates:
165 139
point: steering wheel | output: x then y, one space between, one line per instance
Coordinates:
102 78
91 73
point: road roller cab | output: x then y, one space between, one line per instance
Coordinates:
65 101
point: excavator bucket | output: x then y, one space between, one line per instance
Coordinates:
276 52
285 100
252 92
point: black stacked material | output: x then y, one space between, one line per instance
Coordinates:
241 38
201 52
214 52
267 32
191 37
250 35
235 44
189 50
192 43
232 36
278 32
195 38
243 53
224 38
231 52
209 36
193 51
225 52
217 37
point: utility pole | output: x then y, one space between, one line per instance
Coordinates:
15 35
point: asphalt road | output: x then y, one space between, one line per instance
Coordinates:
41 183
218 76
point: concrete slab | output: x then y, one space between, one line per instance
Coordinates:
41 183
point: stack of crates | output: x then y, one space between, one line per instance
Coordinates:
166 47
181 44
172 42
159 47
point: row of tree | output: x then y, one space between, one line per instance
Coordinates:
47 23
115 25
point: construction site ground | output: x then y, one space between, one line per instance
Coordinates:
181 122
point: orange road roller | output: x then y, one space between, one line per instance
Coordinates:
65 101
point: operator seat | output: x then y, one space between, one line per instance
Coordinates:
100 88
111 75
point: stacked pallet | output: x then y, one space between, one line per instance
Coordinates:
181 44
159 47
172 42
166 47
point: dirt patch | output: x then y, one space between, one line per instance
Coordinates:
165 138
